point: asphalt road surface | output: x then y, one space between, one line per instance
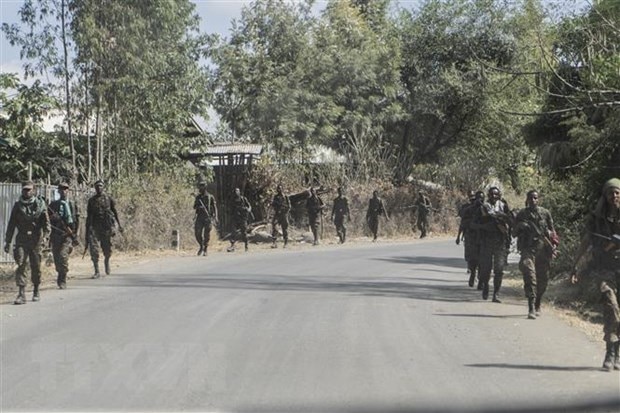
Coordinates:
368 327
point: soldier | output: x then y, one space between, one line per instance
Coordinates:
29 217
536 242
494 226
101 219
206 214
314 206
242 211
423 207
340 209
471 199
64 223
471 236
603 238
281 207
375 209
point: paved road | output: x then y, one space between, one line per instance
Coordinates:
371 327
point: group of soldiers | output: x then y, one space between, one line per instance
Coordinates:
241 213
488 226
33 222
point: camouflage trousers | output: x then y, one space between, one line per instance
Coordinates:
422 224
23 254
314 221
472 252
282 220
492 259
202 232
373 224
341 230
534 266
240 232
99 238
609 283
61 249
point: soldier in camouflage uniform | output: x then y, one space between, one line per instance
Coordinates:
494 225
241 211
471 235
101 220
375 209
423 207
206 214
340 209
281 206
64 222
603 238
314 206
535 241
29 217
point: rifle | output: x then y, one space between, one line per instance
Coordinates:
614 240
66 229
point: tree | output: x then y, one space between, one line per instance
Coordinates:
141 60
28 146
45 31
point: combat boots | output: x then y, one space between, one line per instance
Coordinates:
21 296
608 364
617 355
106 264
200 251
96 265
35 293
472 277
531 314
62 280
497 284
485 291
537 306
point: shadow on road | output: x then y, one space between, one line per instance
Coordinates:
482 315
417 259
533 367
399 289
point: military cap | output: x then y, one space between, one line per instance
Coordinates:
99 182
27 185
612 183
63 185
202 183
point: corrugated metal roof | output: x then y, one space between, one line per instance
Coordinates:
231 149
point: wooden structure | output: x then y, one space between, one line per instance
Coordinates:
232 166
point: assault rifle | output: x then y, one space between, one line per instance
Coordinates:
614 240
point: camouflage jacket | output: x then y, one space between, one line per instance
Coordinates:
281 204
533 226
204 204
31 220
375 208
62 219
101 213
341 207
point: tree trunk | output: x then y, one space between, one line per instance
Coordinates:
63 11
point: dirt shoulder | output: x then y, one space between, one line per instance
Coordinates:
559 299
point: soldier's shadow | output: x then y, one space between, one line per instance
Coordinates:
532 367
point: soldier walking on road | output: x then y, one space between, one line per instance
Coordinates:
281 206
471 236
206 214
101 220
241 212
29 217
314 206
64 223
340 209
536 241
423 207
494 225
376 208
603 238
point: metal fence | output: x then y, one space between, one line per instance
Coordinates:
10 193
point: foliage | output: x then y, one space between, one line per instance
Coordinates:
27 145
